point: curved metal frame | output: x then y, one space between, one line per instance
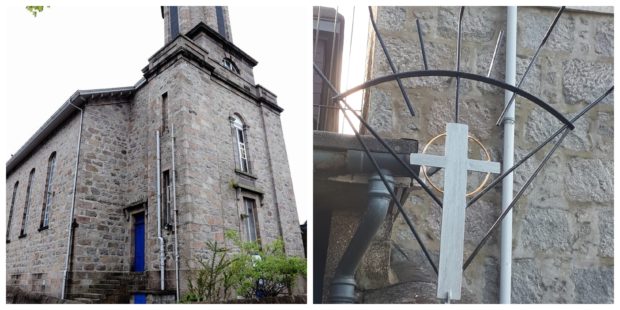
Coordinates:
458 74
567 126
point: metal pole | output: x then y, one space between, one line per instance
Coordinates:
159 237
70 226
508 161
174 204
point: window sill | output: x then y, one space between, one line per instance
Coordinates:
246 174
43 228
22 236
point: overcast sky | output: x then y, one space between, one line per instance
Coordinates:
68 48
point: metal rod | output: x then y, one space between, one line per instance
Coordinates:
420 35
176 211
463 75
159 236
499 40
65 273
544 40
389 59
349 58
508 154
458 66
316 37
514 201
316 42
535 150
387 147
396 200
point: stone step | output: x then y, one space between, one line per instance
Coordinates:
84 300
92 296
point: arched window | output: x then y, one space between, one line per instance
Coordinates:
241 144
22 232
48 194
8 224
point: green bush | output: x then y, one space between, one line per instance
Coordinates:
253 272
211 283
266 271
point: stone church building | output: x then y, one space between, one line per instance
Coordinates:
563 230
121 187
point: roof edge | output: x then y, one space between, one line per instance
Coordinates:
76 101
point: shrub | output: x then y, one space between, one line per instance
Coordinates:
254 272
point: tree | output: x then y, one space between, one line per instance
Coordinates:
35 9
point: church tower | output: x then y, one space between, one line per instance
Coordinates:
181 19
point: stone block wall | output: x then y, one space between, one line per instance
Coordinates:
35 262
563 226
102 238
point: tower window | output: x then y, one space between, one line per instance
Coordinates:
242 146
251 219
167 199
230 65
48 194
22 232
8 224
164 112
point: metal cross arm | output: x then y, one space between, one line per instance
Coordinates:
456 164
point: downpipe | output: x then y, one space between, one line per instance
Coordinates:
343 285
508 158
174 204
71 214
159 237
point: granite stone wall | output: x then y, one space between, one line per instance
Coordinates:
563 226
34 262
117 177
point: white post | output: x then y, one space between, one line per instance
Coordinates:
159 237
508 160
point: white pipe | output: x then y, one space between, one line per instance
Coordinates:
174 204
70 227
508 160
159 237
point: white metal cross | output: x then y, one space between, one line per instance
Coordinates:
456 165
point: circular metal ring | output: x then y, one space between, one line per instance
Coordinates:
486 152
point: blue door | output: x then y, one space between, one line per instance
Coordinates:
138 264
139 298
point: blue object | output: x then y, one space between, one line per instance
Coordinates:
138 264
139 298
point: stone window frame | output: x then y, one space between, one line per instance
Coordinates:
239 130
229 64
22 232
246 198
166 185
48 194
8 224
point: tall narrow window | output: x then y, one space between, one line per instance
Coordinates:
22 232
8 224
242 152
251 219
167 199
48 194
164 112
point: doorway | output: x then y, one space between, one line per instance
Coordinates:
138 237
